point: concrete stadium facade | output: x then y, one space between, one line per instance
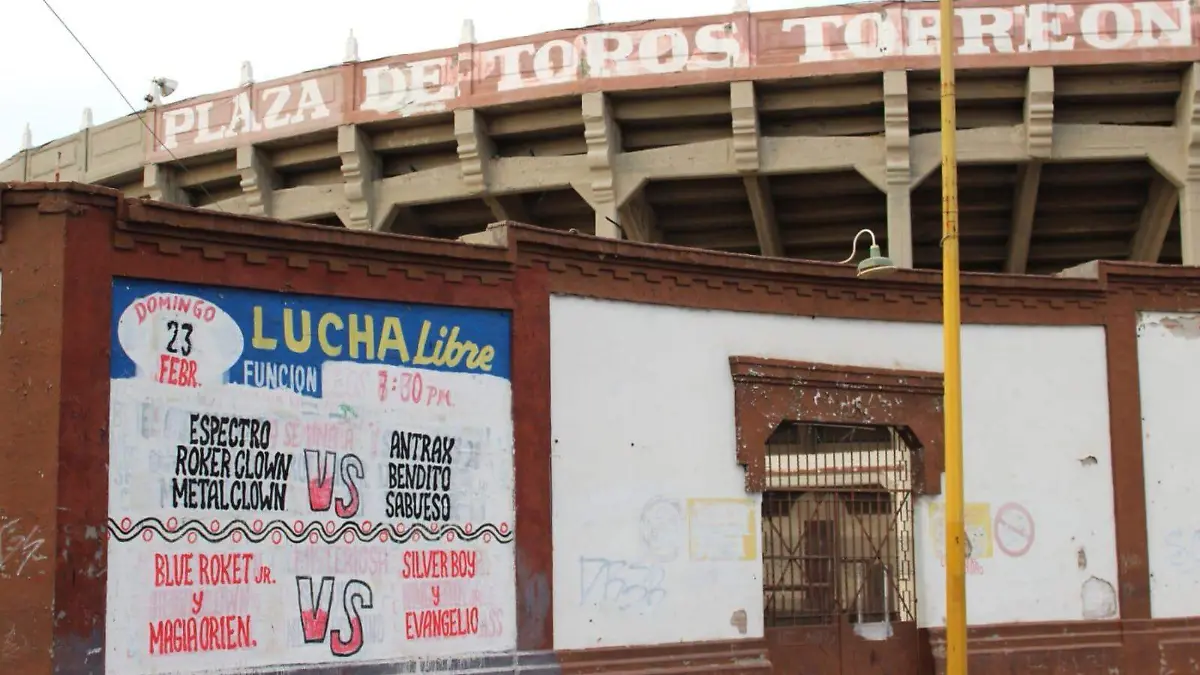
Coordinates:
772 133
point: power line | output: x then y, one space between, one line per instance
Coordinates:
141 118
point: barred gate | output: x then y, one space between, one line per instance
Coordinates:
839 577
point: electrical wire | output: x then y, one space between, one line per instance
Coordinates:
141 117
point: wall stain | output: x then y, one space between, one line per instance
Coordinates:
1099 599
738 621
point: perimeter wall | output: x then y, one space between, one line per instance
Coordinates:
149 519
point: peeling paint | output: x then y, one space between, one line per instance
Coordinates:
738 621
1186 326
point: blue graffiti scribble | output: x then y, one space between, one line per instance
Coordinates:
620 584
1183 549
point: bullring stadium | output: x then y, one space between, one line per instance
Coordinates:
771 133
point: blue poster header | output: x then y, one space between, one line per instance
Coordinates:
250 332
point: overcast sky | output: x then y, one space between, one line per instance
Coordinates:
48 80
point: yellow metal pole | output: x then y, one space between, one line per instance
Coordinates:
956 553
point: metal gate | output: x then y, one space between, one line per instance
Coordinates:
839 578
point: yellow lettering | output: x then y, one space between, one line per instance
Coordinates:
421 359
298 346
328 347
366 336
259 340
484 360
456 351
392 337
438 358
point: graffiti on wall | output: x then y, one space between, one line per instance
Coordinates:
299 479
22 547
1183 548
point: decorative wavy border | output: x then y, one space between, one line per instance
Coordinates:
173 531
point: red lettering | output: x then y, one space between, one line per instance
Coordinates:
314 622
172 570
439 565
170 302
319 467
225 569
201 634
441 623
314 607
177 371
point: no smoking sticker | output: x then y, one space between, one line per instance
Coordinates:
1013 530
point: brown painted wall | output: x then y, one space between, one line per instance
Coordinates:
31 345
60 246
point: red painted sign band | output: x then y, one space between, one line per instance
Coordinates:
678 52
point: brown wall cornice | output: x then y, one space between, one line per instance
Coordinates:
767 392
621 270
662 274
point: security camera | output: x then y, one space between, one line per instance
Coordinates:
166 86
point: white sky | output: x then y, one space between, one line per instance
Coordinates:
47 80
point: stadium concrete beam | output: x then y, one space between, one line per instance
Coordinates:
777 155
258 180
498 181
1039 143
1071 143
308 201
897 168
984 145
762 207
1187 121
537 174
637 220
427 186
360 174
744 113
507 207
402 219
231 205
162 184
1113 142
1161 206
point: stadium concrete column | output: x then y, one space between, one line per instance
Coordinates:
162 183
360 171
743 106
1039 146
475 150
476 153
1188 124
638 220
897 168
603 140
259 180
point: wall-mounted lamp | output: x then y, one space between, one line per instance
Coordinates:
160 88
875 264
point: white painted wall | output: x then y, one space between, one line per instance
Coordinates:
643 421
1168 366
